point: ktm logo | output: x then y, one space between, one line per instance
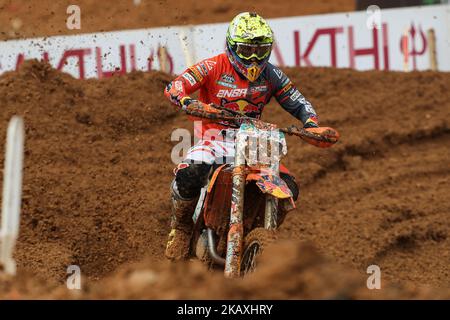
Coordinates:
243 106
210 64
231 93
227 78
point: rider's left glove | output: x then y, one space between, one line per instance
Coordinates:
310 123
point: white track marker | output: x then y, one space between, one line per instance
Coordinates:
432 49
12 193
188 54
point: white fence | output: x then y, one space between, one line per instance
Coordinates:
339 40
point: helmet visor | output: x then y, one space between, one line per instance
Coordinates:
258 51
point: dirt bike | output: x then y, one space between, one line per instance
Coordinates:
237 211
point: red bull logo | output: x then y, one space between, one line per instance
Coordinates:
274 185
242 106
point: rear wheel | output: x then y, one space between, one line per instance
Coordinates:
255 243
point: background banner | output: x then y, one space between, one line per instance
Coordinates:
400 41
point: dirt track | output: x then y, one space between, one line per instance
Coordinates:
97 171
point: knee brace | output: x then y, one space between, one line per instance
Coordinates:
189 180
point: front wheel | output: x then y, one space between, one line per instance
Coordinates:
254 244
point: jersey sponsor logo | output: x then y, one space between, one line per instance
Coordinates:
226 84
178 85
285 89
205 70
197 75
308 107
210 64
189 78
225 77
202 69
285 82
291 91
258 89
295 95
227 80
233 93
243 106
279 73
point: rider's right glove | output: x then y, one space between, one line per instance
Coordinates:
192 104
185 102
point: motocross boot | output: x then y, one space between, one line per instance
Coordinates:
182 226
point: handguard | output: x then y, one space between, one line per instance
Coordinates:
322 137
207 111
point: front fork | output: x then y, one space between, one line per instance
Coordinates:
271 212
236 232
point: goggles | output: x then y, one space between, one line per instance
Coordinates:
258 51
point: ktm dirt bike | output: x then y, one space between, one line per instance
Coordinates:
237 211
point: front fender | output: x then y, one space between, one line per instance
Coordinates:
271 184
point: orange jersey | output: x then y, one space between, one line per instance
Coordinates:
219 83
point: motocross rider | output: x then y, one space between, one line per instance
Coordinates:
243 80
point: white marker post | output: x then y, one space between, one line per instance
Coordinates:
12 193
186 46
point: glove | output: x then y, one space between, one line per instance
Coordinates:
310 123
186 101
189 104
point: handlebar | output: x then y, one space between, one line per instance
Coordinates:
323 137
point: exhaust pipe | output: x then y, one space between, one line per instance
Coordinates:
212 248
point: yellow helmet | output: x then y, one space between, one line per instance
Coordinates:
249 44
